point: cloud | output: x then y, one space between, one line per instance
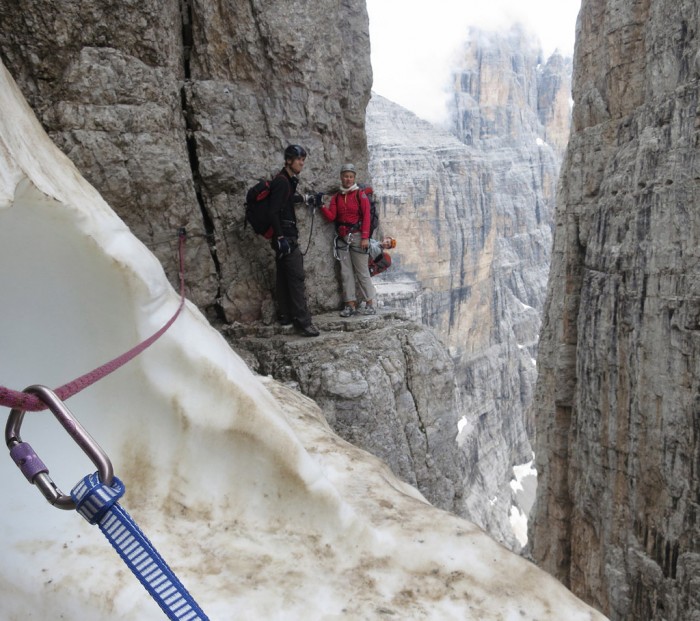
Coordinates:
414 43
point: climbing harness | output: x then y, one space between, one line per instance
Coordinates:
348 247
96 496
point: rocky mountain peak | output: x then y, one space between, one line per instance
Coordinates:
505 90
618 436
471 207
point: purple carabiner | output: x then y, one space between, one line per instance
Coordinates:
28 461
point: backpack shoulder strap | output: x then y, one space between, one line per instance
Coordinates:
289 185
360 194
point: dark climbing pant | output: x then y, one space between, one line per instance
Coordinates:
290 288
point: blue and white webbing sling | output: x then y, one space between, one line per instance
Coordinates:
95 498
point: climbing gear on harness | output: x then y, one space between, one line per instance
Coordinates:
25 401
344 244
313 201
337 241
95 498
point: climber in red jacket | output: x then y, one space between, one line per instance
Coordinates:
349 209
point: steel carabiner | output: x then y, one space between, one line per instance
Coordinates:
31 465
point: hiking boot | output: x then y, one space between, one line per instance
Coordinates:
368 310
284 320
348 311
310 330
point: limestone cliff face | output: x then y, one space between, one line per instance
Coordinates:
554 101
384 383
172 108
472 210
505 92
618 412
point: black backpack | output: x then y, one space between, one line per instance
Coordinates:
257 208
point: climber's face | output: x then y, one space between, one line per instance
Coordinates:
347 179
296 165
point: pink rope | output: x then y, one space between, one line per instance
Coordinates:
31 403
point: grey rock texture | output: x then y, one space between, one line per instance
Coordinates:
472 210
171 109
384 383
617 398
506 92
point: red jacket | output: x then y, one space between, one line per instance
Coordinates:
350 212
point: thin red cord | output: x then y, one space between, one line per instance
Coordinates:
30 403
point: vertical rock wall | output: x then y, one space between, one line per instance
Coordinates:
617 399
472 210
172 108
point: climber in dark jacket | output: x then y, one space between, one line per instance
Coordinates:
289 286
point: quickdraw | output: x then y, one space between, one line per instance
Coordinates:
95 496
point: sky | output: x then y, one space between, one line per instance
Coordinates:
413 41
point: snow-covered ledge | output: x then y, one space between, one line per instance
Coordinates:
258 507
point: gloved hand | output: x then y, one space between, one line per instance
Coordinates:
283 247
314 200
